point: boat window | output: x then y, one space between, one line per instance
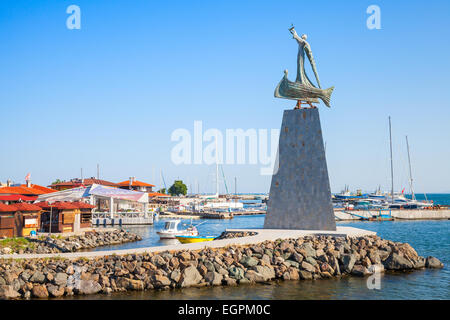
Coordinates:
167 225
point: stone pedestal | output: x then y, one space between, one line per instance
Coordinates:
300 196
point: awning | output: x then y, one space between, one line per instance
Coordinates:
76 194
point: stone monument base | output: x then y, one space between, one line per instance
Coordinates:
300 196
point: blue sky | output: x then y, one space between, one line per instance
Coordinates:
114 91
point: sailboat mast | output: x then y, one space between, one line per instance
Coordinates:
410 171
217 170
392 166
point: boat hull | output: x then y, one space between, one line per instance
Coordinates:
194 239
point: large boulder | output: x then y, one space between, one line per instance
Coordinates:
305 275
190 277
348 261
432 262
266 272
55 291
307 267
39 291
37 277
397 262
236 273
247 261
360 271
7 292
158 261
214 278
160 281
307 250
88 287
60 279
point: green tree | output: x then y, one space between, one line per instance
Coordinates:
163 190
56 181
178 188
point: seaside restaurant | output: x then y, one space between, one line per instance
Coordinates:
19 220
108 201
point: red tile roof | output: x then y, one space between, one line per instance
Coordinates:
157 194
135 183
86 182
83 205
17 197
7 208
64 206
40 188
22 206
23 189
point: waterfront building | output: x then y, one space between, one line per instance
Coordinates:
133 184
75 183
61 217
19 220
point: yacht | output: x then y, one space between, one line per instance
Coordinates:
171 230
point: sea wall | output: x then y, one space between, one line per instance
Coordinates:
306 258
61 243
442 214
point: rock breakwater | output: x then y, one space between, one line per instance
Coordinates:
307 258
57 244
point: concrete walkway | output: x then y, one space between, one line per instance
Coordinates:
263 235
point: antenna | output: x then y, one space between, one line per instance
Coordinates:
98 171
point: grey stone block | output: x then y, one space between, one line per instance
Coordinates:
300 196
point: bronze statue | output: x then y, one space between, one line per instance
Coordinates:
303 90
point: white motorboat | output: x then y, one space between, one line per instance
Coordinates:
171 230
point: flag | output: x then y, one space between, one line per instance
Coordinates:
403 190
28 177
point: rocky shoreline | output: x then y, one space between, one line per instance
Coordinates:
235 234
58 244
307 258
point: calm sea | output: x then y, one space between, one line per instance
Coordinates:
427 237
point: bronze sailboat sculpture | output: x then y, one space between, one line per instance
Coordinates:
303 90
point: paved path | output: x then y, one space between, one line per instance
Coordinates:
263 235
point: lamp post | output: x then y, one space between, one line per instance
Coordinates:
51 217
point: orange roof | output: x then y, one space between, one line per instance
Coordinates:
39 188
87 182
83 205
7 208
157 194
135 183
64 205
23 189
22 206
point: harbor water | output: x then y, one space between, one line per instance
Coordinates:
427 237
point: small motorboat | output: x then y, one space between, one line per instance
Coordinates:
171 230
194 239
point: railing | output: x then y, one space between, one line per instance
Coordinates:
118 215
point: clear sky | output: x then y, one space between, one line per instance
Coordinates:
114 91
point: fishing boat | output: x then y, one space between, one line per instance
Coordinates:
194 239
171 230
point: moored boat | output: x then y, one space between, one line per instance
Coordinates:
194 239
171 230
